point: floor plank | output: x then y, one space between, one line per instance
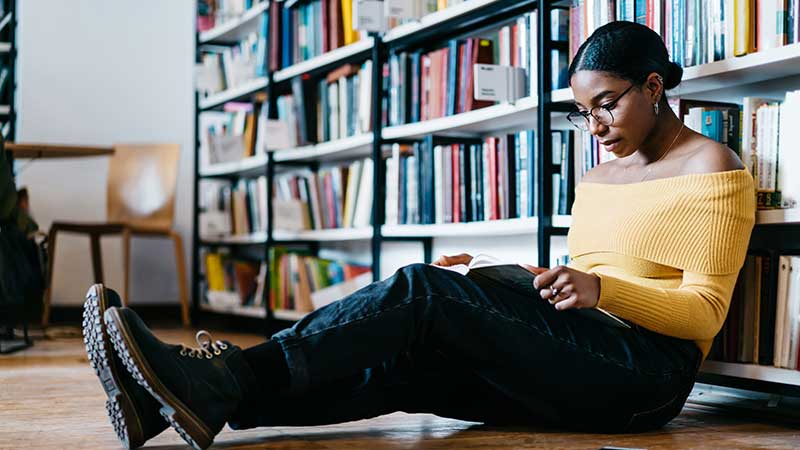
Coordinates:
50 398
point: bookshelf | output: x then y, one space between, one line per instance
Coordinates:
11 316
776 230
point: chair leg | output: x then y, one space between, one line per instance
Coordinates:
48 292
126 266
97 258
181 269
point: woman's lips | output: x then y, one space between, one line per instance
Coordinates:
610 144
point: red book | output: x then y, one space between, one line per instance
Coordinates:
444 55
456 185
274 36
326 44
514 52
492 141
424 87
335 30
650 15
483 53
460 77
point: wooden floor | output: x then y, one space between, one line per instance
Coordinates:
50 398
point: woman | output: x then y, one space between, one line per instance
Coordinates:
658 238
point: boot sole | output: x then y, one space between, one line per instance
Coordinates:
119 405
183 420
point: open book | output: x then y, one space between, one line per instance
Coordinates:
488 271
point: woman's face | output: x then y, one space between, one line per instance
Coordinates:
617 98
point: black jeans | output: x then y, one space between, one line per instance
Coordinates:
431 340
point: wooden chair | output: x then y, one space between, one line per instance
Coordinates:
140 201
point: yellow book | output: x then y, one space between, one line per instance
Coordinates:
215 274
350 35
744 27
441 4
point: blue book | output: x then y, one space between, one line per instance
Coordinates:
415 80
452 77
712 124
322 92
479 180
473 182
464 187
533 176
519 176
287 29
262 51
640 9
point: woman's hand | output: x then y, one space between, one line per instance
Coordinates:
568 288
534 269
446 261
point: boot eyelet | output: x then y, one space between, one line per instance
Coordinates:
217 352
209 356
223 346
183 352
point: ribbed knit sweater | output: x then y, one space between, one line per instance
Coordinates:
668 251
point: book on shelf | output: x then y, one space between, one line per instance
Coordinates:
428 84
695 31
232 281
334 196
230 135
462 180
302 282
399 12
763 322
224 67
227 208
334 107
491 273
214 13
308 29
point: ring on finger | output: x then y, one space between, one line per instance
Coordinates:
554 290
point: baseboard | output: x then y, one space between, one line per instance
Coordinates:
151 313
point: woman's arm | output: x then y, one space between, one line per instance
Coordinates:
695 310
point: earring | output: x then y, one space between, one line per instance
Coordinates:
655 108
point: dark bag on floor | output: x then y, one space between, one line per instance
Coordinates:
21 274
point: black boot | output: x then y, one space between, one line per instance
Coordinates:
132 410
199 388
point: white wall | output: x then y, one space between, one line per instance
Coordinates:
99 72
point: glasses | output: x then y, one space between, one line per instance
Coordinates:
602 114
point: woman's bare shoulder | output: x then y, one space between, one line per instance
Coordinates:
711 156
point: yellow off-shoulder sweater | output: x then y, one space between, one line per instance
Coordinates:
667 251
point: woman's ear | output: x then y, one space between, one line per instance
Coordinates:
654 87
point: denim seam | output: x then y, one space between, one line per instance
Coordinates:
297 338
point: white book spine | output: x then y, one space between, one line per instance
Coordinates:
438 172
363 208
784 264
392 186
793 317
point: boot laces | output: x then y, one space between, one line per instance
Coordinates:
207 346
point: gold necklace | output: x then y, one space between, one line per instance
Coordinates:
649 168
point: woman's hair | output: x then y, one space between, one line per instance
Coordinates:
628 50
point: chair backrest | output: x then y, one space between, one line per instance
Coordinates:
141 185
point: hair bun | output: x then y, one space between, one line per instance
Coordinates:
673 76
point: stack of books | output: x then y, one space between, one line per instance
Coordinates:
301 282
337 196
696 31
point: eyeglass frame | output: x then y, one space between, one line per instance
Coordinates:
585 114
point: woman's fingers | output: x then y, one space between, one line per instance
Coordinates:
534 269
